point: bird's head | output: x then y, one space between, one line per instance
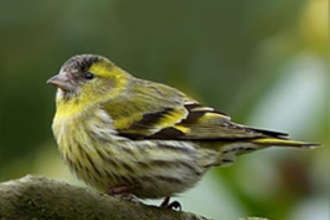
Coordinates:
85 79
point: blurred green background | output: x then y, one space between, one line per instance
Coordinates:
262 61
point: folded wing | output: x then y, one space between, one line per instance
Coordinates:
192 121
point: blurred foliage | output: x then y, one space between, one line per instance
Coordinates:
228 54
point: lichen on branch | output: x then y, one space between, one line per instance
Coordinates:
37 197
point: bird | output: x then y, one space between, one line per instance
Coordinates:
123 135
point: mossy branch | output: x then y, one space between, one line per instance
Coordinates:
37 197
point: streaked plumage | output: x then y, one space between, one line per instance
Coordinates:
115 130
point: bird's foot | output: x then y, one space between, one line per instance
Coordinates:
170 205
123 192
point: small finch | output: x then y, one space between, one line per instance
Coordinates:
123 135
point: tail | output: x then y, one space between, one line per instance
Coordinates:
284 142
274 138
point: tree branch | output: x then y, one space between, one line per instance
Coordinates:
36 197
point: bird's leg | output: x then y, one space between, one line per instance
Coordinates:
170 205
165 202
123 191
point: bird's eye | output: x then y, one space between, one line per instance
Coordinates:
89 75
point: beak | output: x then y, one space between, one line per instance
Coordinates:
62 82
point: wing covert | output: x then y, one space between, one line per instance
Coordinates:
206 123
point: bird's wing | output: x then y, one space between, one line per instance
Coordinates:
186 121
206 123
